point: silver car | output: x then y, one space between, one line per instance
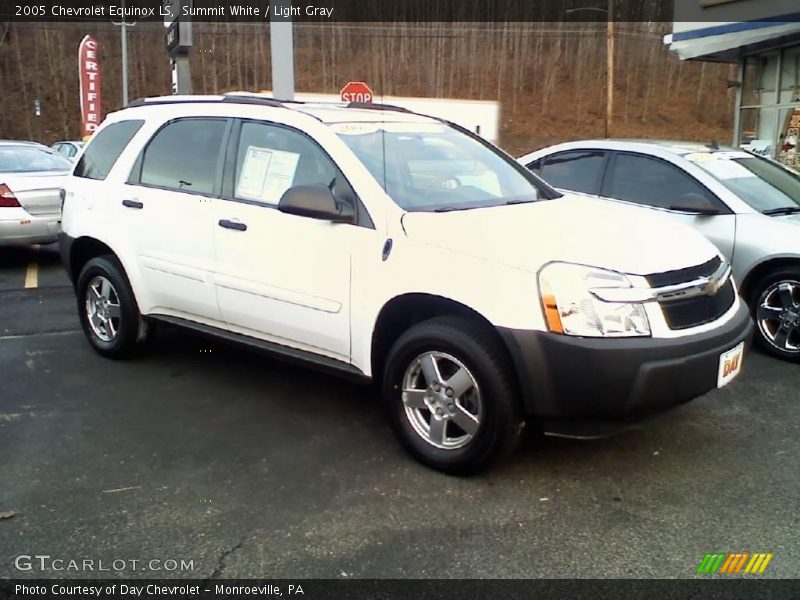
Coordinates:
748 205
31 176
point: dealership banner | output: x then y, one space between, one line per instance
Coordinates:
90 90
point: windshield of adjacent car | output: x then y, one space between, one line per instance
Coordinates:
763 184
435 167
29 159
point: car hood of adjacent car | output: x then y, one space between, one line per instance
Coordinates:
569 229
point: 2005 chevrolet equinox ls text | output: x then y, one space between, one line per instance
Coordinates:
391 246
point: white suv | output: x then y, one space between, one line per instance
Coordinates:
391 246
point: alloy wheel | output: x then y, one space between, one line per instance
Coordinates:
442 400
778 315
102 308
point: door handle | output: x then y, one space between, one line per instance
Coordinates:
229 224
132 204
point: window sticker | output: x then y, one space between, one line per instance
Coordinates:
700 156
266 174
726 169
734 154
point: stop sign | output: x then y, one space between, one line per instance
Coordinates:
356 91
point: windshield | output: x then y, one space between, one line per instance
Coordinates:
761 183
434 167
28 159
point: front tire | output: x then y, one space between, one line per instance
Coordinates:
451 396
108 312
775 306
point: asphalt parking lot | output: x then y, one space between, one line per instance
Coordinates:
252 468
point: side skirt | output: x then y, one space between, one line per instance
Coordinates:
293 355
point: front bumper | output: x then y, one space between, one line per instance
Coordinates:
21 228
602 379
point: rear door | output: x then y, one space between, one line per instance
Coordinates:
166 206
655 184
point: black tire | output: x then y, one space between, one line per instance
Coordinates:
131 331
764 289
482 353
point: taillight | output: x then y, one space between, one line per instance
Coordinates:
7 197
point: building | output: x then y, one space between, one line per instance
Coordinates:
763 38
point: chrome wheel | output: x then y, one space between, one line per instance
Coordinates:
102 308
442 400
778 315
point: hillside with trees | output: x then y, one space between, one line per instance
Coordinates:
548 77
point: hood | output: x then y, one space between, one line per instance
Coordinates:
569 229
764 236
787 219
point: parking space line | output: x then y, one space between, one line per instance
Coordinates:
17 336
32 275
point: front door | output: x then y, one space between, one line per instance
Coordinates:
282 277
167 208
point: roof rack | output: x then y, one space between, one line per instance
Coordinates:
173 100
251 98
242 99
377 106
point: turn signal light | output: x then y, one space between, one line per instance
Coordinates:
551 309
7 197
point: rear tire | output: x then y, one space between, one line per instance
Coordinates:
775 306
107 308
451 396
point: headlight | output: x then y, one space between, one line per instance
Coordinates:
572 309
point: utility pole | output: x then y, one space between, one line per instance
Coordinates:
281 49
124 43
609 12
610 69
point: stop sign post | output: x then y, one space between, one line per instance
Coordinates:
356 91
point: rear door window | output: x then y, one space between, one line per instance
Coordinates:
104 149
577 170
183 155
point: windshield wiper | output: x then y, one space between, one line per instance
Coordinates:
518 201
783 210
453 208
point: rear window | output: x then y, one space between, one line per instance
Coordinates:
30 159
184 155
105 148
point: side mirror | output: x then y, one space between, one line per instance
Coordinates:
316 202
695 204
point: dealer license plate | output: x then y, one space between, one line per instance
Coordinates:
730 364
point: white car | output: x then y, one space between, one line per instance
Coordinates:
30 193
70 149
747 205
394 247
